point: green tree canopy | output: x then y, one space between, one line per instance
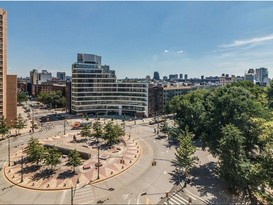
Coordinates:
74 159
21 97
35 150
53 99
52 157
4 129
19 123
184 152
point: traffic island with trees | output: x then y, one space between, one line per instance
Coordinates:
97 152
235 122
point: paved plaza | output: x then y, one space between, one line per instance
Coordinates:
114 161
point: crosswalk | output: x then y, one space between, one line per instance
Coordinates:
177 198
84 195
50 127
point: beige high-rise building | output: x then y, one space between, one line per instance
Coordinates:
3 61
8 83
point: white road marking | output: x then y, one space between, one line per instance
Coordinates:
165 172
63 196
129 201
125 196
138 197
192 196
177 200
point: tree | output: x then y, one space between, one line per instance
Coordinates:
112 133
85 131
231 105
184 153
164 128
234 167
74 159
35 150
52 157
53 99
190 111
4 129
97 127
21 97
19 123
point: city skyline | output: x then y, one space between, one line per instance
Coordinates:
138 38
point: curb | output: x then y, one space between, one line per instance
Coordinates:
67 188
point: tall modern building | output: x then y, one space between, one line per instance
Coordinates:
3 61
61 75
7 82
156 76
261 74
96 90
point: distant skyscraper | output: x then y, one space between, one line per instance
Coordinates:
202 77
261 74
61 75
165 78
181 76
156 76
173 76
186 76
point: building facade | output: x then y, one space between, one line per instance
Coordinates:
170 92
156 76
3 61
96 90
8 100
155 100
11 99
61 75
261 75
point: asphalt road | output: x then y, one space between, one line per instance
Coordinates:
141 184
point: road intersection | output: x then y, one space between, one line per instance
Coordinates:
140 184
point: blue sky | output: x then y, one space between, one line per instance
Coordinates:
138 38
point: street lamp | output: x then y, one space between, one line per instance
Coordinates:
22 166
64 125
98 158
72 195
9 149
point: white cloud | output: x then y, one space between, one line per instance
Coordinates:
179 51
166 51
248 41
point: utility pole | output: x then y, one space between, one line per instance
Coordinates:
9 149
22 166
72 195
64 126
98 158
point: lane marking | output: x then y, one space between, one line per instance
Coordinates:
125 196
129 201
192 196
63 196
180 198
138 197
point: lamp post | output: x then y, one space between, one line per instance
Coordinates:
9 149
22 166
72 195
98 158
64 125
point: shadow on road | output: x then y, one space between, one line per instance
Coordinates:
207 184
